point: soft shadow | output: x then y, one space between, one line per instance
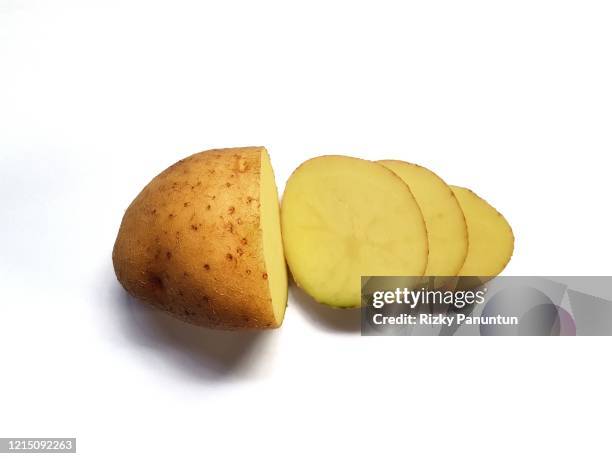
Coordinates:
203 353
326 317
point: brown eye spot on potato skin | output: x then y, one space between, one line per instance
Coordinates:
208 207
186 204
207 267
168 255
248 271
171 215
264 275
194 227
156 281
244 241
228 184
241 164
231 210
239 251
229 257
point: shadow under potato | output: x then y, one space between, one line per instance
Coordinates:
331 319
205 353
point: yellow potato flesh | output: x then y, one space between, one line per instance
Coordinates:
343 218
272 241
446 227
491 241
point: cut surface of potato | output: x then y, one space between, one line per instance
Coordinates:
491 241
446 227
202 241
343 218
272 241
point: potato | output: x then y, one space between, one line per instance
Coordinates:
446 227
343 218
202 241
491 241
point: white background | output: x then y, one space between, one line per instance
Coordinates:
513 99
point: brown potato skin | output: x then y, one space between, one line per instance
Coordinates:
191 243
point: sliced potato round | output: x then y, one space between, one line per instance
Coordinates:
491 241
446 227
343 218
202 241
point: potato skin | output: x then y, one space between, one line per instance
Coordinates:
191 242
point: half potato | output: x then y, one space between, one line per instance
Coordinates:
202 241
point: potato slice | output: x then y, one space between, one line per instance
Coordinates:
446 227
343 218
202 241
491 241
